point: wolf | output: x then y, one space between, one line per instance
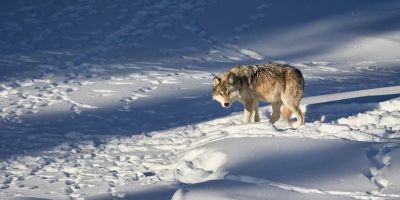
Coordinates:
280 84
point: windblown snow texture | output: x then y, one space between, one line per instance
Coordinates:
112 100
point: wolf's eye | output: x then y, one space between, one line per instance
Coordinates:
229 93
221 93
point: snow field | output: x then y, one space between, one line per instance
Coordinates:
181 154
111 100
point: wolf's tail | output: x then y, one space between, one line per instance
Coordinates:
294 83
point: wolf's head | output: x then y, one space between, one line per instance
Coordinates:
226 89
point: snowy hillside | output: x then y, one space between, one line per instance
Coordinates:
112 100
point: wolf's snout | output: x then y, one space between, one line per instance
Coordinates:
226 104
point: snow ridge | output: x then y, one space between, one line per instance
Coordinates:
355 195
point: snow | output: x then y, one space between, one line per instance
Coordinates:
112 100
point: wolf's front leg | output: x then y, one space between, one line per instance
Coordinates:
276 111
248 111
256 114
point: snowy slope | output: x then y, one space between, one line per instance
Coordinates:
103 100
351 157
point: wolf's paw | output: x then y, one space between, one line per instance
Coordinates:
297 124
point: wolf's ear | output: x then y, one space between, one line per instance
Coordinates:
217 80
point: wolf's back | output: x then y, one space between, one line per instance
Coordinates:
291 77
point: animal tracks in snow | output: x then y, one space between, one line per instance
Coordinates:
135 96
379 160
34 96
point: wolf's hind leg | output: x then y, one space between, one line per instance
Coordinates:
286 113
276 111
299 116
295 108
